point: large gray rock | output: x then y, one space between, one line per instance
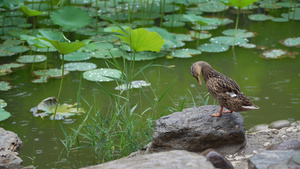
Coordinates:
10 144
195 130
176 159
275 159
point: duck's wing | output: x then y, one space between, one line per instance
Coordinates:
223 85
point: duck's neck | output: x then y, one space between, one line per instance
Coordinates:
208 72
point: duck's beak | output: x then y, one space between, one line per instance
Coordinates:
199 80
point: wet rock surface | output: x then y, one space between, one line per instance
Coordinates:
217 159
176 159
195 130
280 124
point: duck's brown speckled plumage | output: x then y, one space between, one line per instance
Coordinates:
226 91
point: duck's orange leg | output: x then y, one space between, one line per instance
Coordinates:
228 111
220 113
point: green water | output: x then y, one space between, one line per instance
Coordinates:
273 85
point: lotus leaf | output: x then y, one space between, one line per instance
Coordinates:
242 3
145 56
76 56
205 27
280 20
173 24
114 28
277 54
213 48
248 45
2 103
107 38
12 42
70 18
143 22
134 84
176 17
212 6
31 58
4 114
16 49
102 75
291 42
227 40
286 4
198 35
115 52
142 40
239 33
202 20
172 44
41 79
260 17
269 5
30 12
4 86
185 53
80 66
56 73
97 46
183 37
48 107
10 65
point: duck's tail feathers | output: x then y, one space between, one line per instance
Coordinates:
251 107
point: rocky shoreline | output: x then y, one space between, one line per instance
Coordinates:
194 139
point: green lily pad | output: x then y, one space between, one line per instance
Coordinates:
185 53
80 66
239 33
145 56
106 54
142 40
16 49
291 42
173 44
183 37
248 46
198 35
4 86
270 5
11 65
134 84
143 22
205 27
213 48
31 58
166 36
70 18
48 106
173 24
97 46
55 73
102 75
212 6
280 20
4 114
227 40
2 103
41 79
76 56
242 3
277 54
260 17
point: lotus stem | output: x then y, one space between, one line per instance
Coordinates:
236 25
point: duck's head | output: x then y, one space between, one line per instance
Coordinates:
197 69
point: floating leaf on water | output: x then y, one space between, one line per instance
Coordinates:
115 52
16 49
114 28
107 38
173 44
291 42
143 22
31 58
134 84
48 105
205 27
4 114
227 40
277 54
212 6
185 53
176 17
80 66
30 12
270 5
11 65
102 75
199 35
280 20
248 45
241 3
41 79
286 4
173 24
183 37
145 56
2 103
70 18
55 73
213 48
4 86
76 56
97 46
239 33
260 17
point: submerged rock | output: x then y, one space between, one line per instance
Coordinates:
273 160
195 130
288 145
259 127
10 145
172 159
279 124
217 159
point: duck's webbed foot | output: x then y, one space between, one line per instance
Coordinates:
218 114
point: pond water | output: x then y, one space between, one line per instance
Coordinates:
272 84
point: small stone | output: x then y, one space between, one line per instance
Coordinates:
280 124
294 130
266 144
290 129
283 136
238 158
254 152
217 159
259 127
288 145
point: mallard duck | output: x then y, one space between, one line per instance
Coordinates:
226 91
